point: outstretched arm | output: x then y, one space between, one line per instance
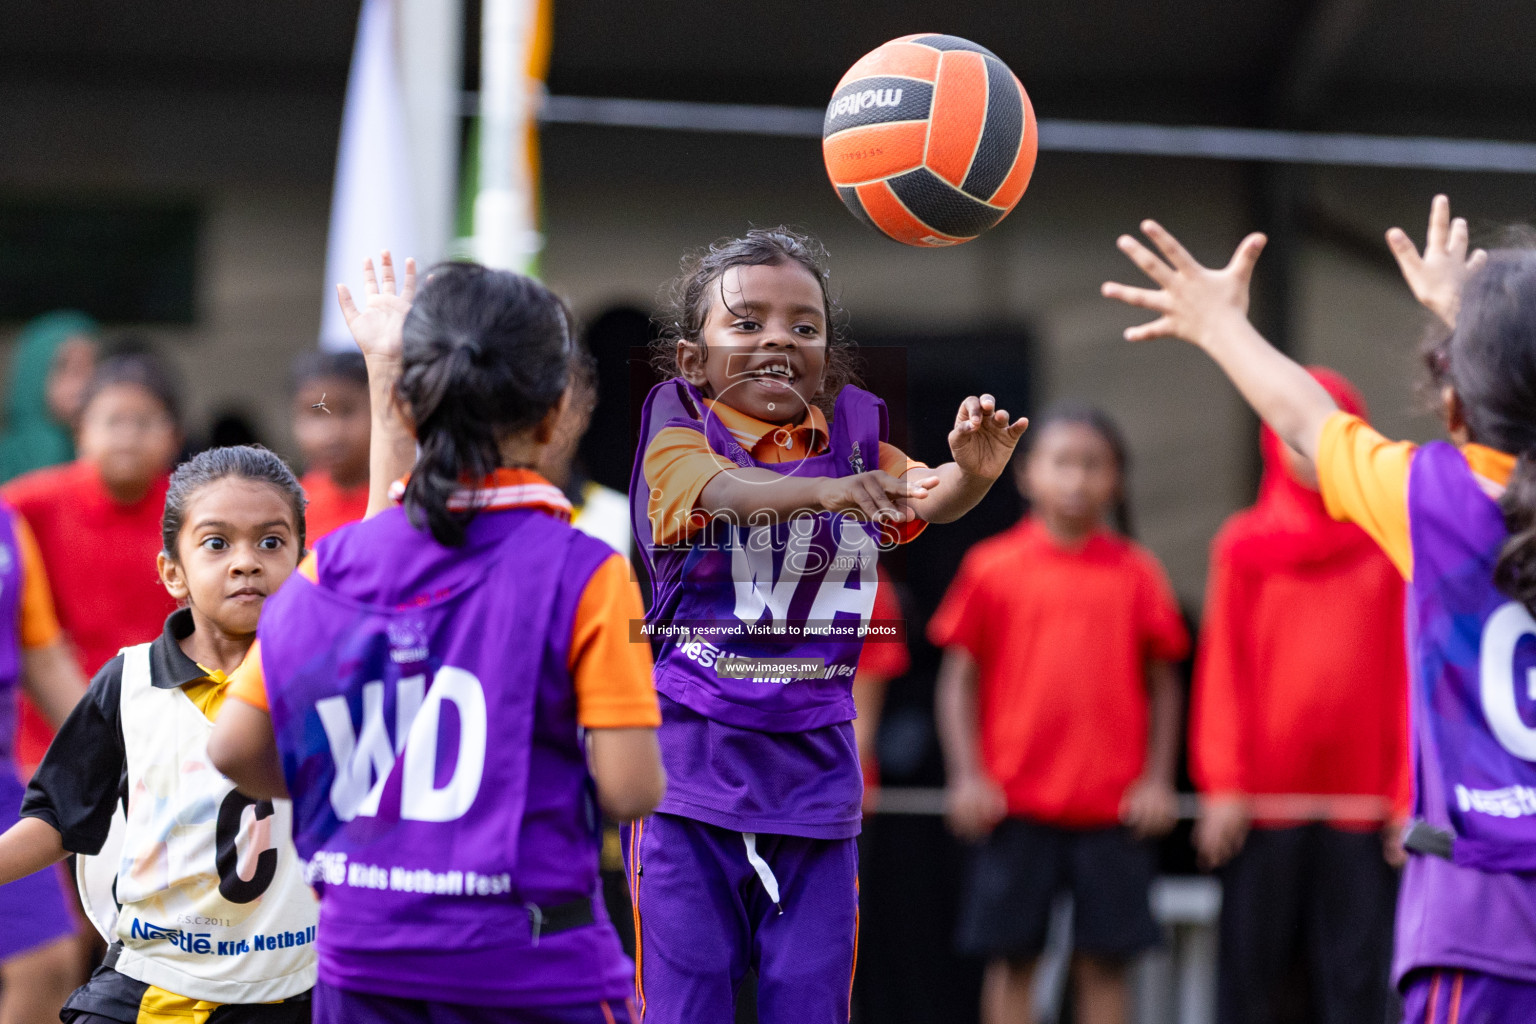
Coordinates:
743 495
1209 308
1438 275
377 328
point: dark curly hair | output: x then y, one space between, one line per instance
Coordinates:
692 292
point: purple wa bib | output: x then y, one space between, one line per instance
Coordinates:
1474 678
801 589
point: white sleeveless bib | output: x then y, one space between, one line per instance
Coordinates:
213 899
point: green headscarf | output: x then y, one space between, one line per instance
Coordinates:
32 438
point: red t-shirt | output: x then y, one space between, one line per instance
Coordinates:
1061 638
100 559
330 506
1302 681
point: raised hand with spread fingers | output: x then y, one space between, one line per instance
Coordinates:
1209 308
1438 274
379 329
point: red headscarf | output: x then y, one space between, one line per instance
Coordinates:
1288 525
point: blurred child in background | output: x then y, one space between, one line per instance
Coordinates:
210 915
96 519
55 355
331 427
1058 708
39 962
1301 687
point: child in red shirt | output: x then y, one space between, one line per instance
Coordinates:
1301 687
97 520
331 426
1058 708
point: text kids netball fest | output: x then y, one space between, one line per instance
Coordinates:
568 512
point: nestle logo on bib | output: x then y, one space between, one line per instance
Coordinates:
407 642
855 102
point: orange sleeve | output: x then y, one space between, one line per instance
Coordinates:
1363 478
39 621
895 462
612 672
679 464
248 683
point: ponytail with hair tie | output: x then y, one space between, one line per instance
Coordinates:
484 355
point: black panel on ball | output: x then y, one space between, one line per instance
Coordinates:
998 148
879 99
953 43
937 204
850 198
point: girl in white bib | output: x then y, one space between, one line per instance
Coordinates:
196 886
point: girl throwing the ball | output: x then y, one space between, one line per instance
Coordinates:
760 517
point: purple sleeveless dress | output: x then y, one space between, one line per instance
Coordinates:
32 907
763 781
773 754
426 720
1473 703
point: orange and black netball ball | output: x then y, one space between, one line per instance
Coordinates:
930 139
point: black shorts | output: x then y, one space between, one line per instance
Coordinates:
113 998
1017 873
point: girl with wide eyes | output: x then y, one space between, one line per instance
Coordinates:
764 483
202 898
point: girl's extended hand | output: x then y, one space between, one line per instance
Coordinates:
983 440
877 495
1196 303
377 327
1437 276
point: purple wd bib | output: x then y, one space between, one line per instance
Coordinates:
1474 678
425 717
800 589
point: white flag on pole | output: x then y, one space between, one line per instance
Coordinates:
372 205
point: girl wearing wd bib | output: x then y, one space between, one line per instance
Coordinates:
760 523
437 679
213 919
1460 524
